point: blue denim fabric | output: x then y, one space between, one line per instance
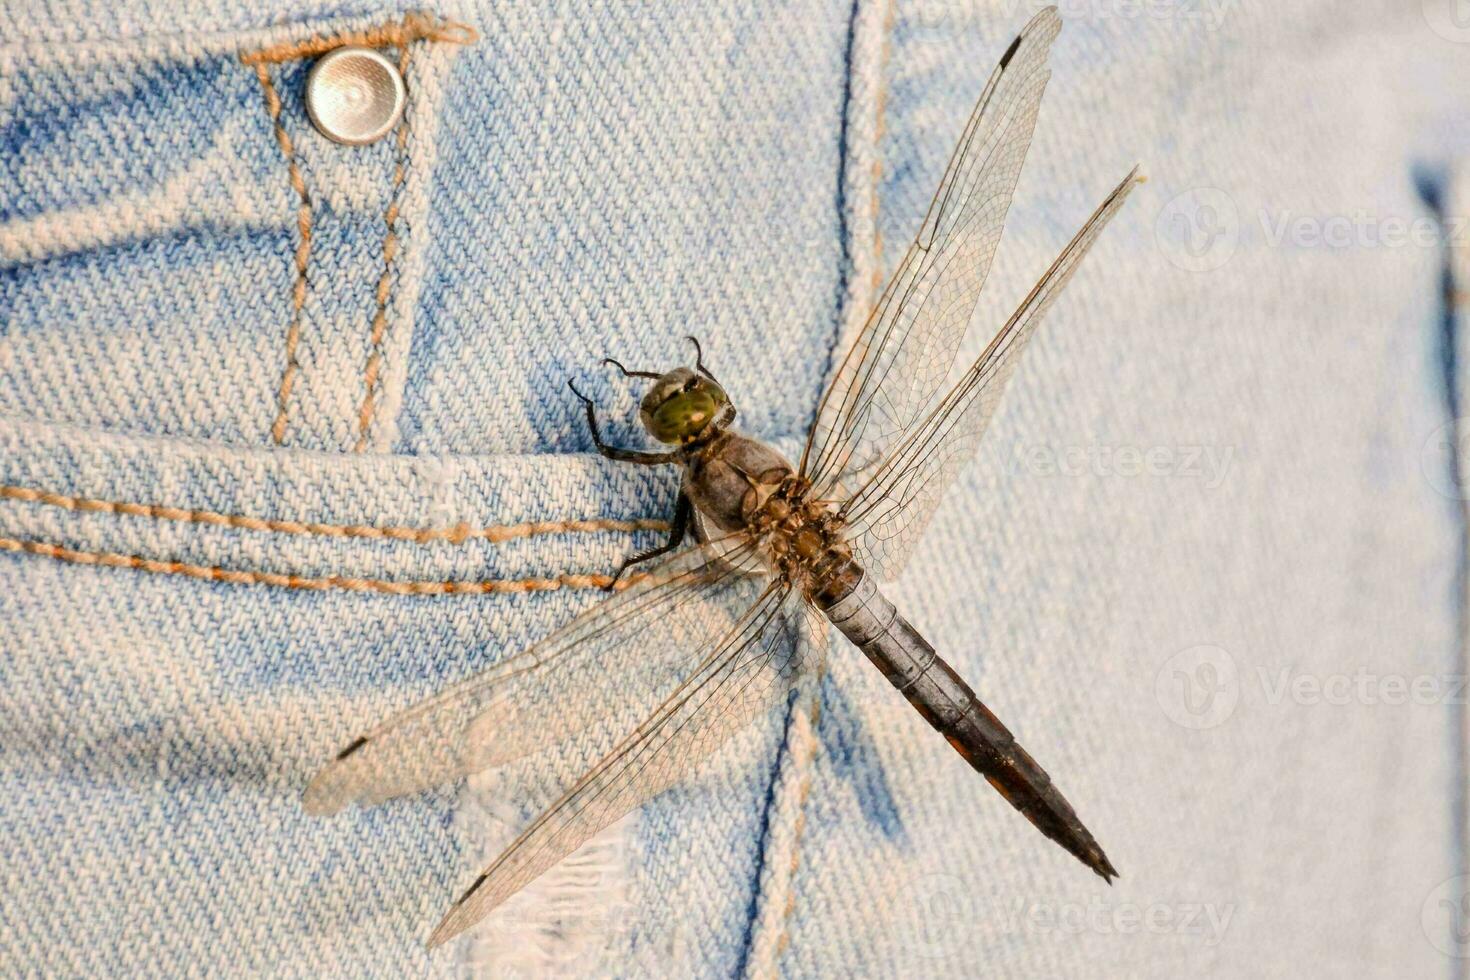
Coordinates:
1226 450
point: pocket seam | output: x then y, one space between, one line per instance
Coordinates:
415 26
302 257
402 34
215 573
455 534
385 278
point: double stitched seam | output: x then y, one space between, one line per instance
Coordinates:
303 252
457 534
213 573
804 739
413 27
385 280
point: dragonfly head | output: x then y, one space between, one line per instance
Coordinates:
681 405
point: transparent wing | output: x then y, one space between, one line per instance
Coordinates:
654 630
746 670
888 513
900 360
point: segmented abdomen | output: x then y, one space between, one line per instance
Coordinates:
874 625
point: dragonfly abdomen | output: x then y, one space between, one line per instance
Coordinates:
874 625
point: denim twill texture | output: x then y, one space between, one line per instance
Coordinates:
284 446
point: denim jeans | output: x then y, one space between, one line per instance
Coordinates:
285 446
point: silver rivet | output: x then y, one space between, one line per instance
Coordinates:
354 95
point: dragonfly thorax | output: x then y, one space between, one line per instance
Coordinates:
730 479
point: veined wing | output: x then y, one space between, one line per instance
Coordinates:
555 688
744 671
902 357
888 513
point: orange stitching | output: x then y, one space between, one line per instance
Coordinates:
303 253
457 534
413 27
385 280
213 573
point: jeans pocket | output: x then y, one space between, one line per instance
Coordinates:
183 253
190 630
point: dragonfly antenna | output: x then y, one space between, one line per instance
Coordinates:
699 360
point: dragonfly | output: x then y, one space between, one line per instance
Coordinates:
779 551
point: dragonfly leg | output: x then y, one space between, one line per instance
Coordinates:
613 452
679 527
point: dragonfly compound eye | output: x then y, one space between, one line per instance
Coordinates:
679 405
683 415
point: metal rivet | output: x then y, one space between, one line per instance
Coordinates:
354 95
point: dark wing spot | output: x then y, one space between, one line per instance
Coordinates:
471 890
1005 59
356 744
